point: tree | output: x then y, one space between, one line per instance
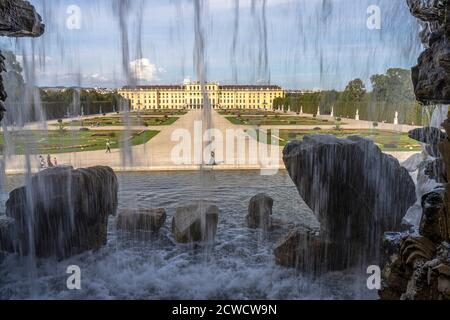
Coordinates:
393 92
15 88
354 91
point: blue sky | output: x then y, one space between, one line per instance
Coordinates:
308 43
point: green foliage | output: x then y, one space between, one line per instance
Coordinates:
391 92
354 92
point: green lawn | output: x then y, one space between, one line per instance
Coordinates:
277 120
386 140
54 142
133 120
159 112
247 112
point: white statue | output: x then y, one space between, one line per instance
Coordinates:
318 111
396 118
357 115
332 112
301 110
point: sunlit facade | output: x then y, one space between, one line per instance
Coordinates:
190 96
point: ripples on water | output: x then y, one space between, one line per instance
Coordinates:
240 265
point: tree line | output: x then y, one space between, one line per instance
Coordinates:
391 92
27 103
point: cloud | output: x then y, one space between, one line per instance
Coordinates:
144 71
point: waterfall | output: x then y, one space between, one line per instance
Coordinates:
295 44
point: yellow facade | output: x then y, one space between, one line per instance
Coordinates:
191 96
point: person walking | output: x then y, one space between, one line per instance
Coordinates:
41 162
49 161
108 146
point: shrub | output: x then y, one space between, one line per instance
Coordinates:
84 129
317 129
338 119
375 124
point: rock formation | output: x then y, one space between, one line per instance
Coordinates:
195 222
62 212
417 263
260 212
141 220
356 191
6 234
18 18
431 77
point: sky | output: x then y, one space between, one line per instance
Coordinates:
297 44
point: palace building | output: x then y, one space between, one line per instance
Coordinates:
190 96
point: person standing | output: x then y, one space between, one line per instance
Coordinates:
55 162
212 162
108 146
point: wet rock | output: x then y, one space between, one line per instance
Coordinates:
290 250
424 185
195 222
443 269
431 77
142 220
412 163
18 18
423 260
356 191
417 271
6 234
68 210
433 151
435 170
260 212
444 286
433 216
391 244
394 280
307 251
427 10
428 135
